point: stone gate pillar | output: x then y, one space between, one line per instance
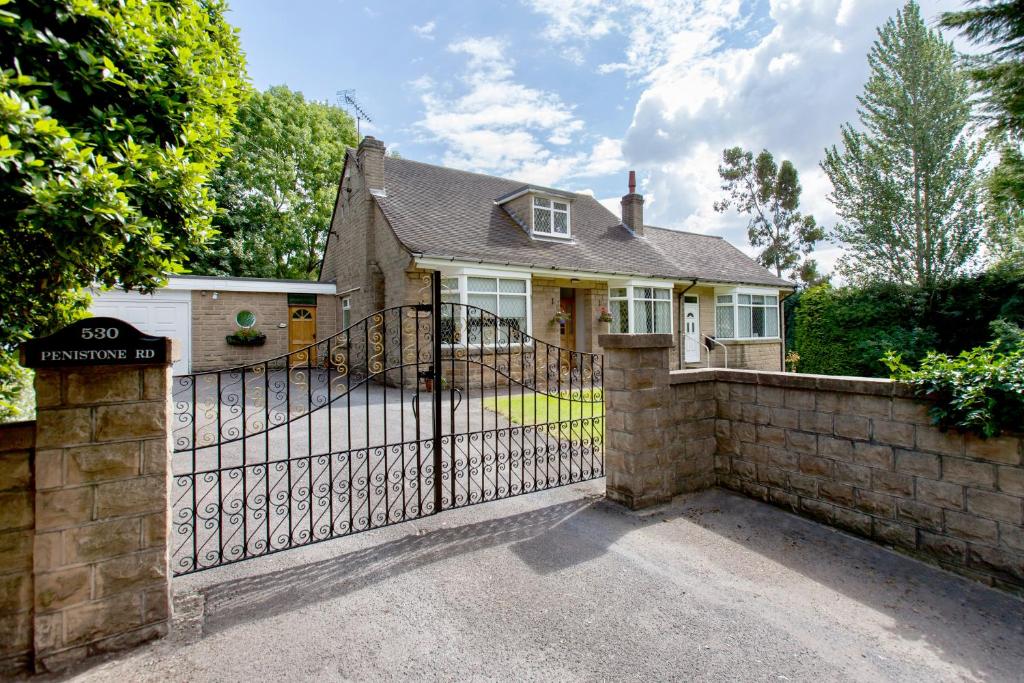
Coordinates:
102 490
638 459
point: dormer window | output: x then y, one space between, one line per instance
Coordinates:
550 217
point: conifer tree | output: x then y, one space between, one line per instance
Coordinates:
904 181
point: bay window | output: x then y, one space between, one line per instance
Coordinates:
640 309
741 314
506 297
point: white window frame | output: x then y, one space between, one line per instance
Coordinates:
463 275
733 293
346 312
631 286
552 211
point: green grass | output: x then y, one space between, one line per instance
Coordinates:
575 419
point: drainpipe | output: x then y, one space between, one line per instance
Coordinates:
782 331
682 337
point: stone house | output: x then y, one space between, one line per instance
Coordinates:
551 260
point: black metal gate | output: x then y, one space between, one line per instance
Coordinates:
411 411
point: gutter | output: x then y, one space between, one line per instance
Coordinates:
589 273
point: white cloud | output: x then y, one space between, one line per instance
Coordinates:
426 30
713 78
490 122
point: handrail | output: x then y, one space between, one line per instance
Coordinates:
724 348
703 344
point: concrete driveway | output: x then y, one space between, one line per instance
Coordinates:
562 585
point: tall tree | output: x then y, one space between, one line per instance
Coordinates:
904 182
1004 208
998 75
112 117
278 187
770 194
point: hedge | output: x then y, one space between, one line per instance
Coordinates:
847 330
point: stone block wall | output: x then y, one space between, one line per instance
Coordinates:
861 455
102 483
854 453
17 524
645 431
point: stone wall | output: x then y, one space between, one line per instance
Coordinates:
858 454
85 517
102 480
17 524
646 431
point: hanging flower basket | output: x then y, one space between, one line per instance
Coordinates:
604 316
561 318
246 337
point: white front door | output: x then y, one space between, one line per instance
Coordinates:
691 329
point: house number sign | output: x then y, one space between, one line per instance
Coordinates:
95 341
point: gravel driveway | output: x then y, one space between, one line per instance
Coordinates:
561 585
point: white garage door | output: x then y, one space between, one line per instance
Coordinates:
162 314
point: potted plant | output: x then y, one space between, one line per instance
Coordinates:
604 316
246 336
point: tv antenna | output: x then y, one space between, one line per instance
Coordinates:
347 99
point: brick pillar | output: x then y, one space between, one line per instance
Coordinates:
102 478
639 463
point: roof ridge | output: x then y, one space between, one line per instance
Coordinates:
684 232
522 183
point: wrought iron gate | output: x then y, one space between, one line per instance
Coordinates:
411 411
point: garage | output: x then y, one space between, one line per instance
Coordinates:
202 313
165 313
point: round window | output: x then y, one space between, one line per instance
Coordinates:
245 319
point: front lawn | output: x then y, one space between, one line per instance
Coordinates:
577 418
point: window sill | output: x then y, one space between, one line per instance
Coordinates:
751 340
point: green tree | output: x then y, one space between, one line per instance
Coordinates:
998 76
904 183
770 194
278 188
1004 208
112 117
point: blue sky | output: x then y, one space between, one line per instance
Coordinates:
574 93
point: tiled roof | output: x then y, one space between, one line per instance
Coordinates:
447 213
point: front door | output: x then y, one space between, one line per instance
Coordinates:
567 324
691 329
301 332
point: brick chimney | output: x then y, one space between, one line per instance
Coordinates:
370 158
633 208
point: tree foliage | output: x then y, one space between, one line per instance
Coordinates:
998 77
1004 208
278 187
770 194
112 117
904 182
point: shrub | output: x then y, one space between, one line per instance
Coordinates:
846 330
980 390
